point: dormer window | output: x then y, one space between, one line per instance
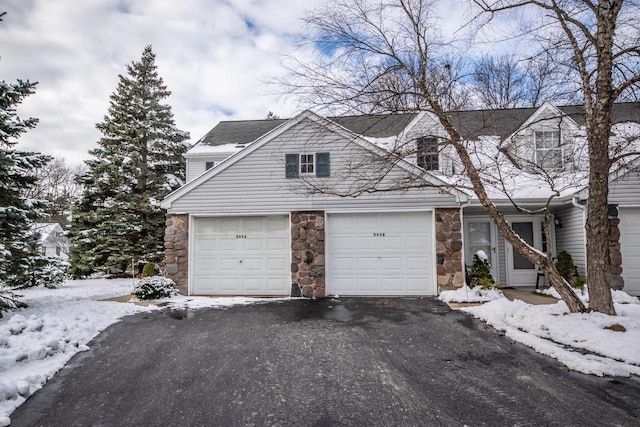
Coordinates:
427 153
548 149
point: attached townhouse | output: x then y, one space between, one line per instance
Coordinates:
287 207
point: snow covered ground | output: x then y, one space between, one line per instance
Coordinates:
591 343
37 341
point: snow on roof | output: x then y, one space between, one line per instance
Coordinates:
215 149
44 228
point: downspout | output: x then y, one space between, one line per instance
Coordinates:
464 268
583 208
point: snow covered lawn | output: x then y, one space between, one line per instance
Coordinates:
37 341
591 343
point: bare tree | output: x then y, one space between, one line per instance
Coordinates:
362 43
597 45
56 183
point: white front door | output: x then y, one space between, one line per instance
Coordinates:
630 249
241 256
521 272
480 235
387 253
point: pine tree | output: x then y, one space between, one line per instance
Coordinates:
138 162
21 264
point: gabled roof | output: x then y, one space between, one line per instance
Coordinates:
395 122
474 123
246 131
471 123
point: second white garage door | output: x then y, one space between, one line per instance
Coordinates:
241 256
380 254
630 249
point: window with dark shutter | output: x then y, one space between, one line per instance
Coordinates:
291 165
322 164
427 153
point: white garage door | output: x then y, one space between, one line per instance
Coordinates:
630 248
380 254
241 256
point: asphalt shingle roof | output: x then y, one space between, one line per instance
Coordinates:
470 124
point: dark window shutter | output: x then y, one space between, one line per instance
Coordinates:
322 164
291 165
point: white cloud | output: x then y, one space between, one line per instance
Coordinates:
213 55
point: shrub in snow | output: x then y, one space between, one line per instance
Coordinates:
480 272
568 270
154 287
149 270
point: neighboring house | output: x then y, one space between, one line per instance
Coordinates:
264 210
53 242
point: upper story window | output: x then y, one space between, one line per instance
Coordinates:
307 163
208 165
427 153
548 149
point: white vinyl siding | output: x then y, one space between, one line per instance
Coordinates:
257 182
571 236
197 165
625 190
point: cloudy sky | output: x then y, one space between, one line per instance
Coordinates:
214 56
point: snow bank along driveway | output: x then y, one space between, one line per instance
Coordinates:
37 341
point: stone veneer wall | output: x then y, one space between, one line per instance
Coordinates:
307 254
176 242
615 268
449 249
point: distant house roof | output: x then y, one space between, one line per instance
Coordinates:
45 229
470 124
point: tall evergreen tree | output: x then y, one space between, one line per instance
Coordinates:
21 264
138 162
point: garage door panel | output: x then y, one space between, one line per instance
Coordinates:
393 285
277 243
392 264
367 264
364 243
392 242
392 255
241 256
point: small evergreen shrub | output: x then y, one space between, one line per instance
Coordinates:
480 273
579 282
566 267
155 287
149 270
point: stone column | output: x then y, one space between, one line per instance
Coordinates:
176 243
307 254
448 249
615 257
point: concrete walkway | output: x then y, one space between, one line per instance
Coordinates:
526 294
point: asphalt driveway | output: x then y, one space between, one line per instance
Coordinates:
361 362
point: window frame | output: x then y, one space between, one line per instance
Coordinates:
428 153
307 164
542 159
